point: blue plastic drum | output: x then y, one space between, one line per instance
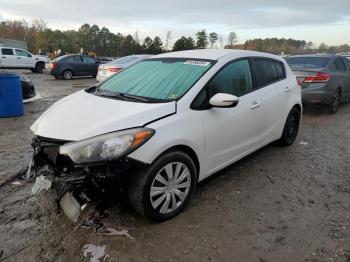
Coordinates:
11 101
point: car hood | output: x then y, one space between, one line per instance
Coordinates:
83 115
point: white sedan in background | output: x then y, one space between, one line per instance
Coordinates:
106 70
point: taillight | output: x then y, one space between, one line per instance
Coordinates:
319 78
53 65
114 69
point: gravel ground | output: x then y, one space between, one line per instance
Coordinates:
279 204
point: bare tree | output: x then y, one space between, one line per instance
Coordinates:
136 37
221 41
168 39
232 38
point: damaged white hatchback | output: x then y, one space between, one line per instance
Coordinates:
157 128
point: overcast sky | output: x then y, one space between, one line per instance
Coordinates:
317 21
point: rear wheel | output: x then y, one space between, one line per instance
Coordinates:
333 107
291 127
165 189
67 74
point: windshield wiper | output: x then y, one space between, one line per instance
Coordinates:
124 96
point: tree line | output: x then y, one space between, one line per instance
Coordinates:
92 38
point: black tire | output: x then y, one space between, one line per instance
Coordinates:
39 67
67 74
141 184
291 127
333 107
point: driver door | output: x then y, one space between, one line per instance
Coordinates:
230 133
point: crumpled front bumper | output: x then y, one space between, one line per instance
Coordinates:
74 186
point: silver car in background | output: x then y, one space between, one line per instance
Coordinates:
109 69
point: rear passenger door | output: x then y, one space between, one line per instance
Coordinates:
270 77
8 58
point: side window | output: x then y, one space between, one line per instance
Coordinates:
20 52
339 65
234 79
88 60
73 59
347 63
267 72
7 51
280 70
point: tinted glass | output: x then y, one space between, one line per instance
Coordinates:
88 60
21 53
307 62
234 79
266 71
7 51
166 79
280 70
124 60
339 65
347 63
75 58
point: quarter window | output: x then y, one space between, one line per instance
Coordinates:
7 51
268 71
339 65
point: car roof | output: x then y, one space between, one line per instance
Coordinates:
214 54
316 55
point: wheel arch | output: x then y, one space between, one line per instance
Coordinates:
187 150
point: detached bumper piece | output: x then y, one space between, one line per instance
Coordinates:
74 185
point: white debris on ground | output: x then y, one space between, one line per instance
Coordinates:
304 143
16 183
94 252
37 97
109 231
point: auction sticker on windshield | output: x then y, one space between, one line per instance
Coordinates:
197 63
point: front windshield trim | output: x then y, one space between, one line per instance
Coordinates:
212 63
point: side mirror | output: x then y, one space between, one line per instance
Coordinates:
224 100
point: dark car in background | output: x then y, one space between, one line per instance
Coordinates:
324 79
69 66
28 89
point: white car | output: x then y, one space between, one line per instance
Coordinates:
109 69
20 59
159 127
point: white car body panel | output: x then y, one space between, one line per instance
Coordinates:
83 115
218 136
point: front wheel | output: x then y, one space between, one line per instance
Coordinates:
164 190
291 128
333 107
39 67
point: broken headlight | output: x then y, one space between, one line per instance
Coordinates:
106 147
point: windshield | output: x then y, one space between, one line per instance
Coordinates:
123 60
307 62
162 79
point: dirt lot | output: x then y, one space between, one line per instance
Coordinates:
279 204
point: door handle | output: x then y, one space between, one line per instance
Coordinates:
287 89
3 57
255 105
19 58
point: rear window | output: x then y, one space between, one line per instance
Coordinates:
124 60
268 71
7 51
307 62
